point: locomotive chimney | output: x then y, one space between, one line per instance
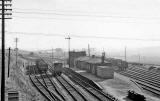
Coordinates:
103 57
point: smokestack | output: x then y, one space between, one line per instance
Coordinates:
103 57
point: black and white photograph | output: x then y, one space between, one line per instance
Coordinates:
80 50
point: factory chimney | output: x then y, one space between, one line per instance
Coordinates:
103 57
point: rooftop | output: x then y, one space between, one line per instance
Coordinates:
91 59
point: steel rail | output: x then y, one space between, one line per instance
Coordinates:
53 85
56 88
51 69
151 78
143 82
93 91
39 89
140 78
108 97
145 70
68 88
53 96
151 74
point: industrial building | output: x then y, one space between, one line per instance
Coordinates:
75 54
97 66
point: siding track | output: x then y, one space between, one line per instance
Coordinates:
148 80
98 94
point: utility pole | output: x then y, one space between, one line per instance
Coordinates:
68 38
4 3
52 57
89 50
9 55
16 40
139 58
125 53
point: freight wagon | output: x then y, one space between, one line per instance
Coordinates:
41 66
38 68
58 68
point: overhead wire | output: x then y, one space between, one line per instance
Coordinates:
86 15
71 19
51 18
57 10
49 10
80 36
28 33
77 13
81 16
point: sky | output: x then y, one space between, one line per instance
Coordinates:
104 24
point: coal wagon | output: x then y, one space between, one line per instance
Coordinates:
41 66
58 67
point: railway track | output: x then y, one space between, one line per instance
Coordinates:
43 86
153 75
97 94
43 90
53 88
48 88
148 80
71 89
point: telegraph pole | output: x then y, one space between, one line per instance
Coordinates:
88 50
52 56
139 58
16 40
4 3
68 38
125 53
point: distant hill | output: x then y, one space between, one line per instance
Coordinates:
149 55
148 51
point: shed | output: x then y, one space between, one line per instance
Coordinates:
106 72
94 62
90 63
80 62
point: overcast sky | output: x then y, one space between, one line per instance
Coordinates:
108 24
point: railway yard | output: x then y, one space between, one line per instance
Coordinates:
52 82
56 88
80 50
